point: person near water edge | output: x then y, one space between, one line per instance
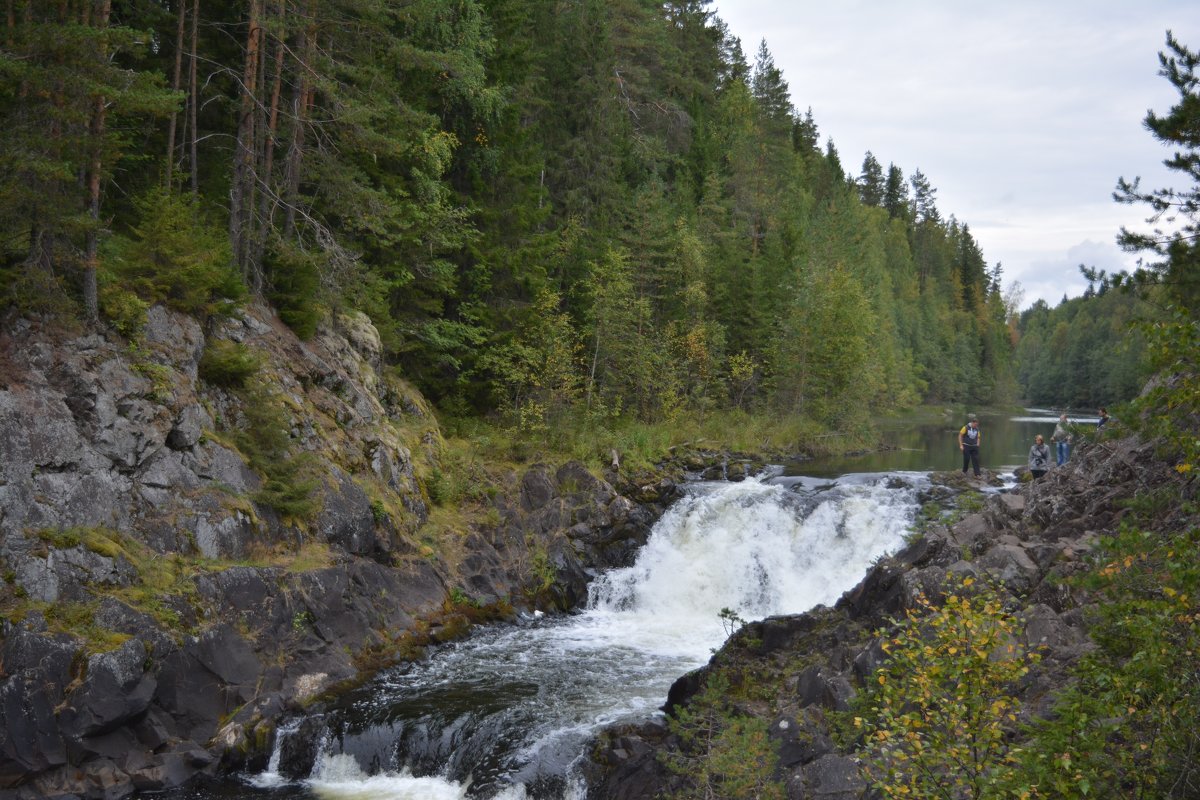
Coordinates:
1062 439
1103 418
969 440
1039 457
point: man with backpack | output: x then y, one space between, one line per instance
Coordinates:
969 440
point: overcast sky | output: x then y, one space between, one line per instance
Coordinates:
1022 114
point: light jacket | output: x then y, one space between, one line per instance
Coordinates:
1039 456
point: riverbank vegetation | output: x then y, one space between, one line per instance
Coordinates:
556 217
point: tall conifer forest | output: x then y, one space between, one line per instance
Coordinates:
545 207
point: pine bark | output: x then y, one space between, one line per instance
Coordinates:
194 97
176 76
266 195
103 10
302 102
241 191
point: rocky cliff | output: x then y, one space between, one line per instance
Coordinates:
793 671
205 527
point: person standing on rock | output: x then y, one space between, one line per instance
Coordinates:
1062 439
1039 457
969 440
1102 420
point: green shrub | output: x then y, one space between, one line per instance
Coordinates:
176 256
722 753
936 719
1127 725
289 480
121 306
295 280
228 364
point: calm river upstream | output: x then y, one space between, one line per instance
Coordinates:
924 446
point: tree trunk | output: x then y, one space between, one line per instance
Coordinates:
241 190
194 95
301 105
267 196
103 9
244 154
175 78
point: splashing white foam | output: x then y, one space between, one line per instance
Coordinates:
338 777
754 547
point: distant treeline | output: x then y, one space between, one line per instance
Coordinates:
544 207
1084 353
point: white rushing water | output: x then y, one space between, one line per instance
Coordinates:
497 713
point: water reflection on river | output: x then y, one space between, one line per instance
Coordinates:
925 445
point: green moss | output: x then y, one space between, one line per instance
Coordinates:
75 619
60 538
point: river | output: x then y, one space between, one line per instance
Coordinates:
506 713
926 445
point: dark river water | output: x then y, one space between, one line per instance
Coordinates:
924 446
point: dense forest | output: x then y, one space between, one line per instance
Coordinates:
544 207
1086 352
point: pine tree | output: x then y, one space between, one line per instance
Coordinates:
1178 250
65 98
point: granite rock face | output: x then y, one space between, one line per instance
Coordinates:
159 617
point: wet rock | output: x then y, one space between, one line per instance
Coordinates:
1011 566
189 425
818 685
537 489
974 533
830 777
36 668
799 741
116 690
299 746
346 518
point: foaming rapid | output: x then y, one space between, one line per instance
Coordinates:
508 713
758 548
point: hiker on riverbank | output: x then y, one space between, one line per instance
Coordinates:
969 440
1039 457
1062 439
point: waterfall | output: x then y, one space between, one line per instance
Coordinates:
507 713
